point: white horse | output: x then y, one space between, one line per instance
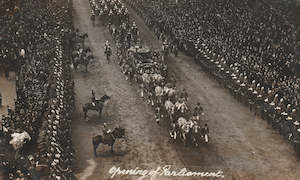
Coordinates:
19 139
169 106
184 127
169 92
159 92
181 107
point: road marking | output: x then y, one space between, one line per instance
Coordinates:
88 171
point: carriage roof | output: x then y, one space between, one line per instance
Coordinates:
139 50
142 54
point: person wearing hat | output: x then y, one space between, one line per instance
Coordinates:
184 95
107 131
205 132
107 51
198 110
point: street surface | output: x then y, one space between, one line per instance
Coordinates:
242 145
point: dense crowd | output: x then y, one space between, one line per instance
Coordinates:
255 45
259 41
39 41
8 33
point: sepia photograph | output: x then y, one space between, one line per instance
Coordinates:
149 89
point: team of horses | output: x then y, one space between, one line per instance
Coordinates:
149 70
81 56
152 78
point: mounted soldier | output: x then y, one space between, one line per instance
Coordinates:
165 50
107 51
96 105
184 95
198 110
134 32
205 132
107 132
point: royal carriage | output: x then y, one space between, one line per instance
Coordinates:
140 59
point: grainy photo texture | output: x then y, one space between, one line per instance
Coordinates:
149 89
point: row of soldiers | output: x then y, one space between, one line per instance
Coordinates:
44 87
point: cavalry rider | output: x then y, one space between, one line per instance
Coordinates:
198 110
157 114
107 131
173 81
93 96
106 44
184 95
205 130
175 49
191 122
128 39
165 49
107 50
134 31
110 16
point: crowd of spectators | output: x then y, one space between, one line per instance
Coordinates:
249 39
37 42
259 39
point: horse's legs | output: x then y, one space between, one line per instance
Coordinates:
95 145
84 112
95 149
112 149
100 112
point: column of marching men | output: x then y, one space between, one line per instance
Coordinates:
57 138
248 51
41 40
156 87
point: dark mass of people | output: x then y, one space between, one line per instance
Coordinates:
249 50
37 44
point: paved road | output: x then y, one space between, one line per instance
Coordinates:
242 145
8 91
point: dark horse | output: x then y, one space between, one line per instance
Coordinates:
96 105
108 139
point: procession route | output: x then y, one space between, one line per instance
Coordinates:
148 144
250 147
242 145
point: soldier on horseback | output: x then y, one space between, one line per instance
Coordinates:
107 131
134 31
184 95
198 110
107 50
93 98
205 132
165 50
